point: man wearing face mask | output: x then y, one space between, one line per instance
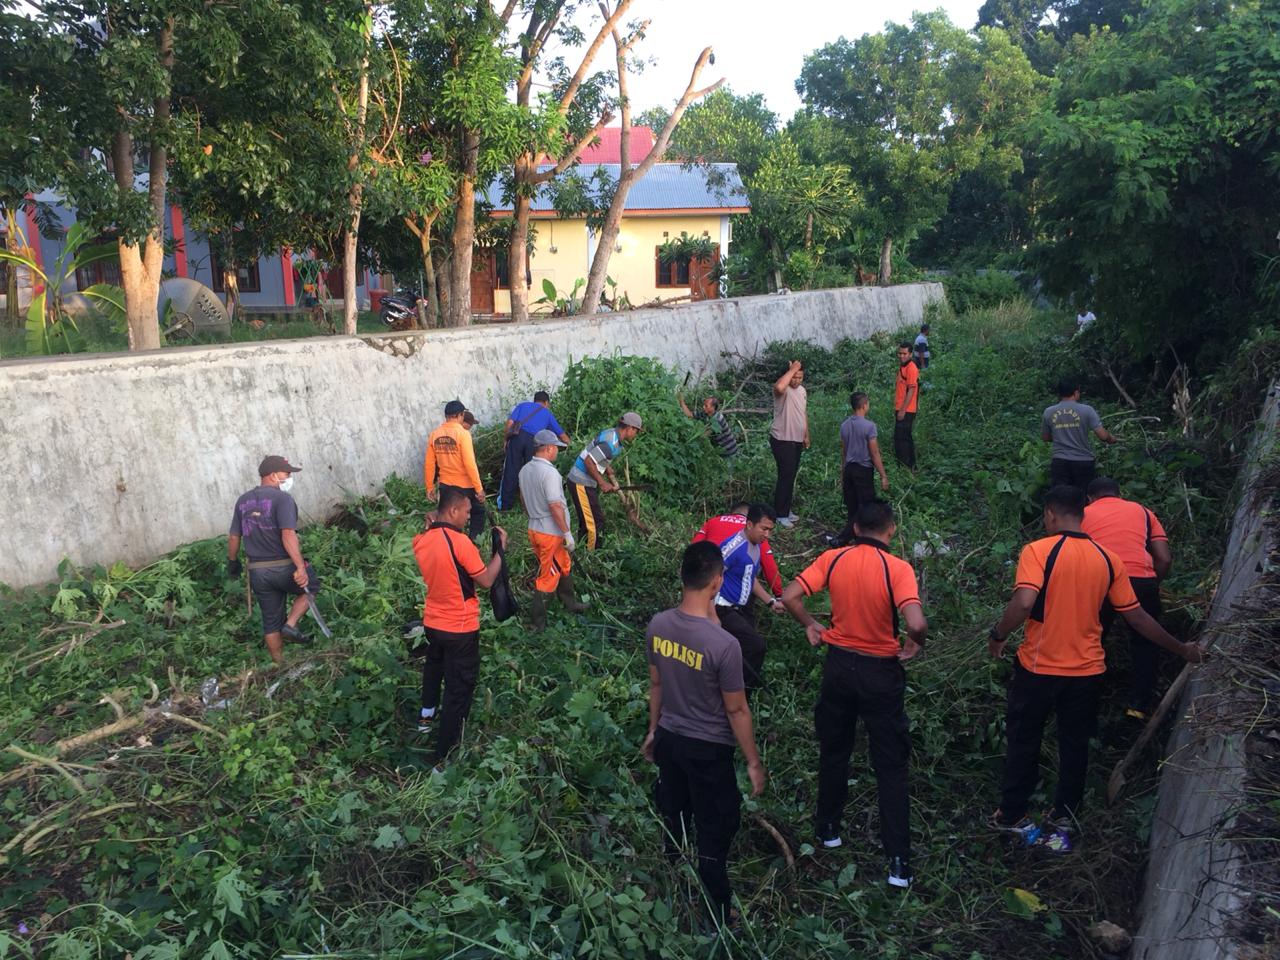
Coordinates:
266 520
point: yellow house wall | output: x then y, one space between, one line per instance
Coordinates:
632 267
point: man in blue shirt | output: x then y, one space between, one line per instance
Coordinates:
523 424
592 474
741 555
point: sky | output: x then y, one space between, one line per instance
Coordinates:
760 45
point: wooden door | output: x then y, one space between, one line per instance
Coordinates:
484 278
702 282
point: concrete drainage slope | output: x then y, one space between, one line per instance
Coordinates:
1214 875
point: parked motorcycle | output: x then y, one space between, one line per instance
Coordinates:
399 310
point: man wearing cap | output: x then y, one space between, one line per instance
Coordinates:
266 520
469 420
592 474
451 457
542 489
524 422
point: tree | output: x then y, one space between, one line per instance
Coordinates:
627 174
355 191
559 132
1161 152
913 108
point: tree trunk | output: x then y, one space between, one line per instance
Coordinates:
11 243
464 235
140 265
443 277
518 258
433 295
231 290
355 195
886 261
808 232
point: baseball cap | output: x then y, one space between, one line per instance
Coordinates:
469 417
454 407
547 438
632 419
274 464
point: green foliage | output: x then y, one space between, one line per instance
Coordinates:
685 249
972 291
672 453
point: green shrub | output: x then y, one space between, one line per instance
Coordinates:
673 453
972 291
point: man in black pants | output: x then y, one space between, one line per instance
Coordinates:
860 455
1136 536
788 437
906 401
742 554
1062 581
697 712
863 678
1067 425
451 570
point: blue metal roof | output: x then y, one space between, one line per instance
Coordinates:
667 186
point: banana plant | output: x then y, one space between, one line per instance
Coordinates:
50 329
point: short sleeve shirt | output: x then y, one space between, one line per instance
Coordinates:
540 487
790 415
867 585
1127 529
908 376
603 449
1068 424
741 564
698 662
258 518
1067 639
532 417
857 432
922 346
451 605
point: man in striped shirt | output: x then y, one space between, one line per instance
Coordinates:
721 432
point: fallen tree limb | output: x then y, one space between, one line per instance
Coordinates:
1118 778
778 839
51 763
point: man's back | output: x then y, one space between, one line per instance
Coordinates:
259 516
450 452
1126 529
541 486
857 432
1068 424
697 662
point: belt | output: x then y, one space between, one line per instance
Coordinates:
846 651
269 564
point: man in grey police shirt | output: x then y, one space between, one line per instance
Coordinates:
1067 425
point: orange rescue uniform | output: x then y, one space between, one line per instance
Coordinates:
451 454
451 605
1127 529
868 586
908 376
553 560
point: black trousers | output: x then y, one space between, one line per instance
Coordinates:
586 504
904 444
786 454
453 659
870 689
1032 697
697 788
1072 473
519 452
858 486
1143 654
741 623
476 524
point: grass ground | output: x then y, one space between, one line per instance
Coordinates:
300 818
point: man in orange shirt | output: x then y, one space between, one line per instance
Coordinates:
451 569
1062 582
906 398
451 457
1134 534
863 677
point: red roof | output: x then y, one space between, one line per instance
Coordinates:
608 148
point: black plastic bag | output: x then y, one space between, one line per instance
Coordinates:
500 595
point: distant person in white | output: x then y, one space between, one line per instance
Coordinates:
1083 320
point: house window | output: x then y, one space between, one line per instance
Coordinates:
674 274
101 271
247 276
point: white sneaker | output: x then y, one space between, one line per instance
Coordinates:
786 523
793 518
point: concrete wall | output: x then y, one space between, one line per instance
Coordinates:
1193 883
126 456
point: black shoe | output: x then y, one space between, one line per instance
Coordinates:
829 835
831 540
294 635
900 873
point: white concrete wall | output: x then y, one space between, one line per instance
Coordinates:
1193 881
126 456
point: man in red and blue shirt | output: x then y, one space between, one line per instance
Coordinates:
719 529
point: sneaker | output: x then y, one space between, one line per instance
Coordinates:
1054 841
829 835
793 518
1026 829
786 523
412 630
425 721
294 635
1059 822
900 873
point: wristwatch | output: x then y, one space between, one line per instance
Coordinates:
775 601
